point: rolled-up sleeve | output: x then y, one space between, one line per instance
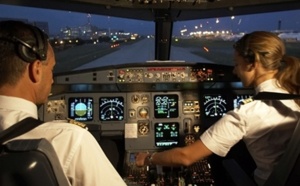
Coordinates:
224 134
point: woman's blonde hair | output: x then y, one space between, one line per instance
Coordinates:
269 50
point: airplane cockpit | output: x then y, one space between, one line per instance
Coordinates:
155 79
147 107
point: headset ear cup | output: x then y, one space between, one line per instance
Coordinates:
35 49
41 44
25 53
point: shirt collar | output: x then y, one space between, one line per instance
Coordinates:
18 104
270 85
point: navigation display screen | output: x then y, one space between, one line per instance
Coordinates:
81 108
166 134
111 108
166 106
215 105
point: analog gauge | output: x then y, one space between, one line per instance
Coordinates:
143 128
145 98
143 112
135 98
214 105
111 108
189 139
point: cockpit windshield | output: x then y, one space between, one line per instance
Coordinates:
85 41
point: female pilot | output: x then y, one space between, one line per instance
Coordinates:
264 126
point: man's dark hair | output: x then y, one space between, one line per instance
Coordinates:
20 44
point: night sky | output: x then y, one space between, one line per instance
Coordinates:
59 19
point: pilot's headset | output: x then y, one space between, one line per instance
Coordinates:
30 50
242 46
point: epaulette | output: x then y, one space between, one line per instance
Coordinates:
245 101
72 121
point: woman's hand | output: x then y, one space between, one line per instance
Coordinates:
141 159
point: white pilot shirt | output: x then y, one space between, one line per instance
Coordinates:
264 126
80 155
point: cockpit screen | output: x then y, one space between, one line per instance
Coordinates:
166 106
166 134
111 108
81 108
215 105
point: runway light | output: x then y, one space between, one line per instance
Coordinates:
206 49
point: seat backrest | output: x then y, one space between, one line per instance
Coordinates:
30 162
287 171
294 176
111 151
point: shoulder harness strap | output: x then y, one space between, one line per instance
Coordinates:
19 128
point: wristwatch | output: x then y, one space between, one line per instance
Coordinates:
149 159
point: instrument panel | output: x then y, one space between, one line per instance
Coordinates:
151 107
137 115
156 106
